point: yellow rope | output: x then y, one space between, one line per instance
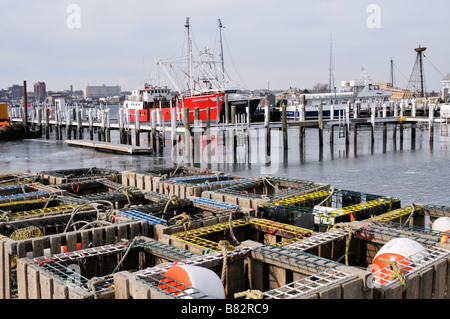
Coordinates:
174 200
249 294
349 237
396 272
224 246
183 217
24 233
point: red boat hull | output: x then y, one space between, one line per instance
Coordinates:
201 101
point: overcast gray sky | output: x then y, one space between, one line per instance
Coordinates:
284 43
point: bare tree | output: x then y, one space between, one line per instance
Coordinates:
320 88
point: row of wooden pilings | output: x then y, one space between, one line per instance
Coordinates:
156 130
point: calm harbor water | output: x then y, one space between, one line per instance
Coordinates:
418 173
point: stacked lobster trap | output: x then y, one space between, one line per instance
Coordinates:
103 234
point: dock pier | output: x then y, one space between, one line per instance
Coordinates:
192 133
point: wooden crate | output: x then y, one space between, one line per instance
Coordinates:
428 279
55 243
283 273
141 284
51 277
79 174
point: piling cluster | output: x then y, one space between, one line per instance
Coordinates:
91 233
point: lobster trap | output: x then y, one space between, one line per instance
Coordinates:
63 176
322 209
89 273
81 227
149 179
206 239
257 191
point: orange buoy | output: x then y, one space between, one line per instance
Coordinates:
197 277
398 250
442 224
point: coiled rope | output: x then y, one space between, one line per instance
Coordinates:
224 246
349 237
174 200
396 272
183 219
24 233
249 294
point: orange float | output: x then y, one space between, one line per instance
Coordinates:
398 250
197 277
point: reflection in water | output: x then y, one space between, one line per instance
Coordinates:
410 171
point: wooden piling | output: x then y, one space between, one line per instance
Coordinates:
91 127
331 134
108 126
47 126
25 103
137 131
372 126
267 128
302 117
208 134
218 108
227 111
187 136
320 123
153 128
67 117
40 119
233 114
284 128
79 126
197 135
401 134
431 122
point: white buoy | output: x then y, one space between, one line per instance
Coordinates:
197 277
442 224
399 250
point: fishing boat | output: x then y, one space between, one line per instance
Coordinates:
205 85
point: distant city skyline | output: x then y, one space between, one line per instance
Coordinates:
267 44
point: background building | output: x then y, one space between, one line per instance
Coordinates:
97 92
16 92
40 92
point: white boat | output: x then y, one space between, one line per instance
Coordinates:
142 101
363 90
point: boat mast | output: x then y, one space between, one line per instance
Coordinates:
221 54
191 84
392 72
331 75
